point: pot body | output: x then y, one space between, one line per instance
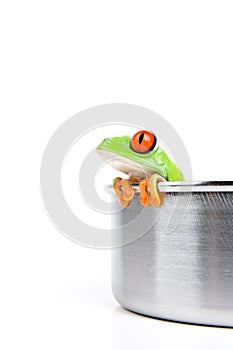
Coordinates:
184 273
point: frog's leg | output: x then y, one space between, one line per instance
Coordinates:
149 192
123 190
156 197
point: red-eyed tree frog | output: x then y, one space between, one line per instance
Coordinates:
144 161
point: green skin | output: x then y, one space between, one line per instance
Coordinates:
139 165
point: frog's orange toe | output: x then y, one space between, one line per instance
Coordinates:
144 195
128 191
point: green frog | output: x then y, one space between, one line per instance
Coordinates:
144 161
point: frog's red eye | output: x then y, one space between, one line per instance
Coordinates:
143 141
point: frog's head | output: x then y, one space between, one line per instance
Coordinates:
136 156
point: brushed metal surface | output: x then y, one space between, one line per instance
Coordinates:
185 275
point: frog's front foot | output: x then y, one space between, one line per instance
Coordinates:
149 192
123 190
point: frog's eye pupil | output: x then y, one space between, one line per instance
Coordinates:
143 141
141 138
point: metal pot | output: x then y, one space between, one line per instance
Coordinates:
185 274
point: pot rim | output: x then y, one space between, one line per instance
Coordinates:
196 186
188 186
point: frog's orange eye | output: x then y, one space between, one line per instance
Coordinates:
143 141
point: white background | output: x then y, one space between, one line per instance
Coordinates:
58 58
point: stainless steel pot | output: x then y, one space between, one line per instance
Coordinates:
185 274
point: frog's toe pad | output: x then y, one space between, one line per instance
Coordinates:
124 191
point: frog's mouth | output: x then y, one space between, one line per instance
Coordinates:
125 165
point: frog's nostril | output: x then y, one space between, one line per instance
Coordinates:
106 140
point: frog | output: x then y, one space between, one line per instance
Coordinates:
144 161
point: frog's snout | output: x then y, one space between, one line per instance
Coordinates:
103 144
